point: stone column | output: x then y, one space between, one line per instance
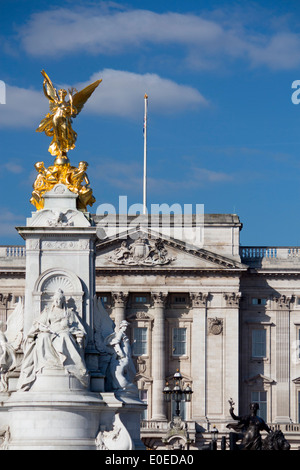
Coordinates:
282 306
198 359
119 302
158 356
231 355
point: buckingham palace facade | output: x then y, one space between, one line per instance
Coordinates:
226 316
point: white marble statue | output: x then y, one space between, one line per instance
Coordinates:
115 348
10 341
116 439
54 341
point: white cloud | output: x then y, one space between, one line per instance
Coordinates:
23 108
112 31
207 41
121 94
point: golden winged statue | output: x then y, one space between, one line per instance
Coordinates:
58 125
58 122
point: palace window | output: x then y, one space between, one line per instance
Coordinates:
259 343
179 342
261 399
140 299
259 301
140 346
179 299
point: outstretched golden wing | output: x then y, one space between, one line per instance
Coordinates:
49 90
51 95
81 97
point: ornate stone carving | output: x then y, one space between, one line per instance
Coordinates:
215 326
59 245
159 299
282 301
55 341
113 344
4 299
198 299
55 282
116 439
142 316
232 299
10 342
177 435
142 252
4 437
119 299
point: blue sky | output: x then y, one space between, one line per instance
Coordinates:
222 128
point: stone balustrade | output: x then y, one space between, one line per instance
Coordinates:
271 254
12 251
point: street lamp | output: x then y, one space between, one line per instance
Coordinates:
214 437
177 393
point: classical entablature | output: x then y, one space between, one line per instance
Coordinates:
145 249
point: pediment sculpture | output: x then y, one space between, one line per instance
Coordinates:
142 252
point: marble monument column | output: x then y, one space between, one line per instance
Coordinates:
158 356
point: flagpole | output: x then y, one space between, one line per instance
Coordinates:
145 157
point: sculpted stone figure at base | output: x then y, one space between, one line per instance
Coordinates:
74 178
116 439
115 349
10 341
121 368
54 341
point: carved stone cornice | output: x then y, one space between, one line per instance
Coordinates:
119 299
159 299
232 299
198 299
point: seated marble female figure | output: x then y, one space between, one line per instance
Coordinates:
54 341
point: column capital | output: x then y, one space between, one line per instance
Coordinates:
4 298
283 301
159 298
199 299
232 299
119 299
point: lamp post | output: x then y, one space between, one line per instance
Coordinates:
214 437
178 394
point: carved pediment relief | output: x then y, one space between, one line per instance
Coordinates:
141 252
146 249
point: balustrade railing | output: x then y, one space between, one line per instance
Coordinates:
269 252
12 251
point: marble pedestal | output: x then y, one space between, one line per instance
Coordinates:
58 412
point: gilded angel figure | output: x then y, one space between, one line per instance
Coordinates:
58 122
